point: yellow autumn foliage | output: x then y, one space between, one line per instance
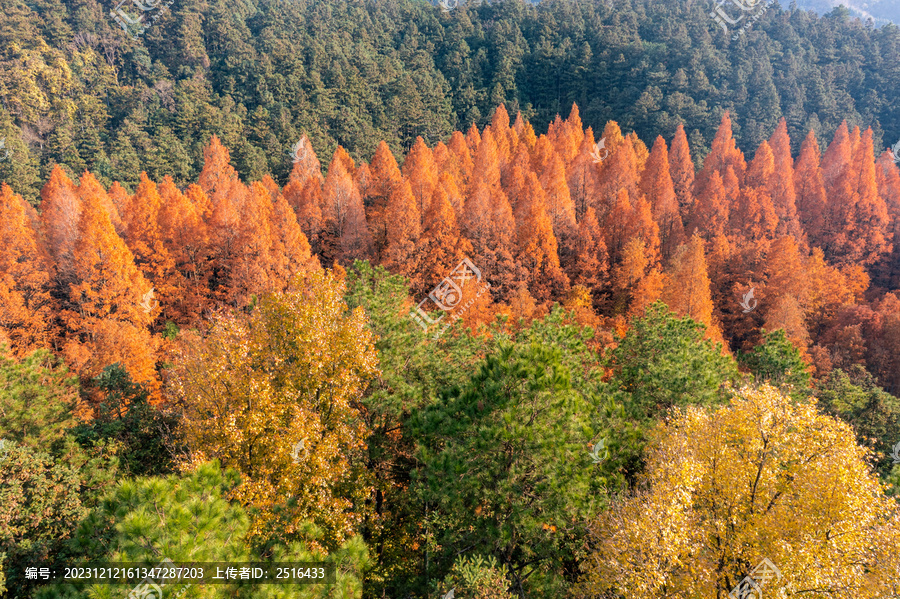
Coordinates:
275 395
764 477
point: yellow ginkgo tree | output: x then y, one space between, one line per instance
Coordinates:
762 478
274 394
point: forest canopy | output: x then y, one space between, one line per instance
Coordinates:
540 301
77 90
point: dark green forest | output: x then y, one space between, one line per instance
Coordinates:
78 91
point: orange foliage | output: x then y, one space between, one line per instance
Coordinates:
686 285
781 184
722 155
537 246
420 170
60 213
108 309
709 213
656 185
488 222
185 236
26 272
345 235
618 172
560 207
403 230
810 187
591 264
385 179
681 167
754 217
142 235
535 214
582 176
303 192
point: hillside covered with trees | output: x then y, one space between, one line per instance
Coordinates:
421 295
77 90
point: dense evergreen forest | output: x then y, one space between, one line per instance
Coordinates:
579 301
78 91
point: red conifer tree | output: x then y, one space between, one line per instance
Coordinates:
251 269
856 219
810 187
290 248
120 200
60 214
227 196
591 265
460 159
686 288
421 172
303 192
870 216
537 245
501 131
524 131
618 173
403 231
473 139
723 154
385 180
582 176
641 153
753 216
681 167
656 185
26 307
441 246
150 252
488 222
566 136
709 213
109 308
838 194
186 239
781 184
306 163
552 174
888 179
345 235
